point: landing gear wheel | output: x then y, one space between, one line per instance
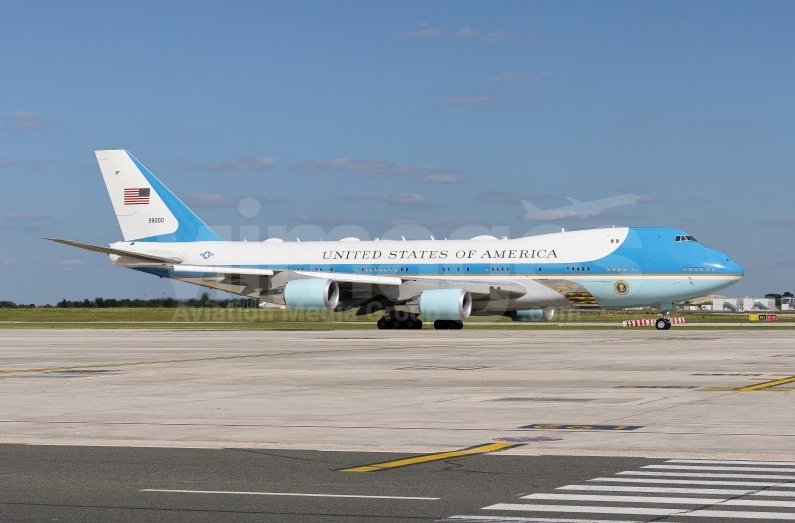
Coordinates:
417 324
396 324
383 324
667 324
408 324
448 325
662 324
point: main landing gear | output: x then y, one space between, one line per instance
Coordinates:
409 321
448 325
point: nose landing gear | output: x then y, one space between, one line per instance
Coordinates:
663 324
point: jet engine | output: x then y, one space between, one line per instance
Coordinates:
445 304
311 294
533 314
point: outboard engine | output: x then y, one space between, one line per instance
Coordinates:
533 315
445 304
311 294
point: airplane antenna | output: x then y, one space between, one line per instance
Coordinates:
562 229
432 238
298 239
404 238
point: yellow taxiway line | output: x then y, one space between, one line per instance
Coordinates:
480 449
767 384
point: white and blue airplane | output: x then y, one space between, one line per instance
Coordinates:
444 281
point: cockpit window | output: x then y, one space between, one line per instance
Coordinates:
682 238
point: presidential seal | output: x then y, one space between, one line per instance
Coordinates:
621 287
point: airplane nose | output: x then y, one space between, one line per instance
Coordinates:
729 265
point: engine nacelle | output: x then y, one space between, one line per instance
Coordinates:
311 294
445 304
533 315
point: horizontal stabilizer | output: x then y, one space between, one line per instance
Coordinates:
117 252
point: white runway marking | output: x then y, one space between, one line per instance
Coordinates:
664 490
300 494
500 519
731 462
645 511
628 499
705 475
782 493
740 515
696 482
759 503
587 510
719 469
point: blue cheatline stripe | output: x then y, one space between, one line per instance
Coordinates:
190 228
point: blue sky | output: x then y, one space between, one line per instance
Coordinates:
373 115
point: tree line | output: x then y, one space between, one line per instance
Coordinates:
154 303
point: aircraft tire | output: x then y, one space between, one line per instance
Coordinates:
383 324
667 324
457 325
661 324
440 325
397 324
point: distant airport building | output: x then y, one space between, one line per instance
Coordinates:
748 303
787 301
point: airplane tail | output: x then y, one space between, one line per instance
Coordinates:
145 208
531 209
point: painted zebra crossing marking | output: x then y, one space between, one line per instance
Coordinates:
692 499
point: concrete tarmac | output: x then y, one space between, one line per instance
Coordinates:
614 393
628 425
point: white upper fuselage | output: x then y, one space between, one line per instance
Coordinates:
620 267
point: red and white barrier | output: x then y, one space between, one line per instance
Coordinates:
649 322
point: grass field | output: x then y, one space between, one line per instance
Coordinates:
218 318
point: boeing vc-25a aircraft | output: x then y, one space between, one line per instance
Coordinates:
445 281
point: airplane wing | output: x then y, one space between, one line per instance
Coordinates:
118 252
573 201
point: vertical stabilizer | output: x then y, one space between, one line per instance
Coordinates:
145 208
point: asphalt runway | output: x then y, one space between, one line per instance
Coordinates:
601 426
118 484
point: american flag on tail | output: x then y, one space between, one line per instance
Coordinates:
138 196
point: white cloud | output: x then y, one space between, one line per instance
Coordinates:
410 201
330 220
40 166
15 261
629 186
439 178
542 78
369 167
223 200
469 100
70 262
25 121
499 36
363 196
28 222
424 31
515 197
465 32
645 198
8 161
246 163
780 222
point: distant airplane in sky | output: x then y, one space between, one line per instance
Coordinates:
444 281
578 208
